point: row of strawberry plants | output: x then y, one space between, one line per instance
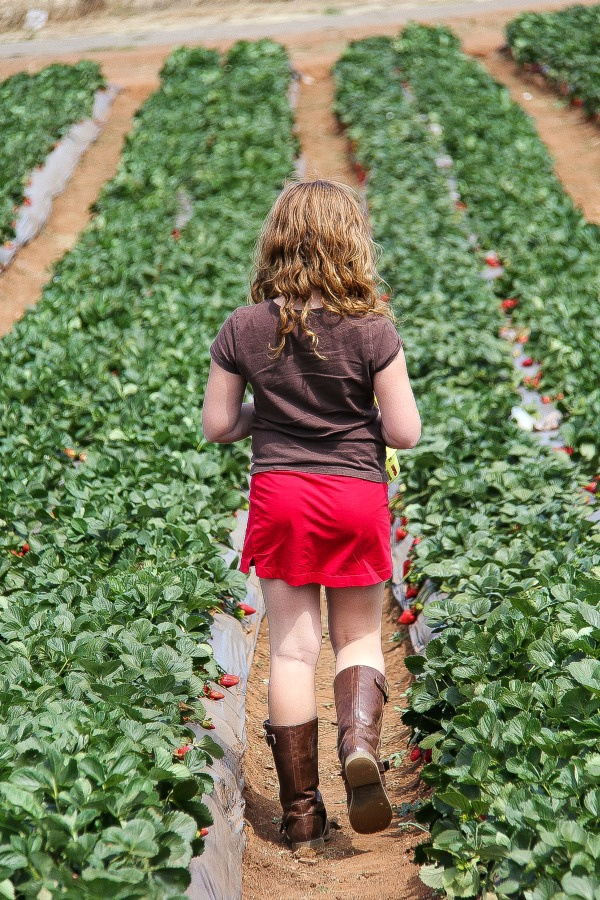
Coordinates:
503 700
112 504
35 112
563 46
518 208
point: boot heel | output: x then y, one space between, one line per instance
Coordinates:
369 809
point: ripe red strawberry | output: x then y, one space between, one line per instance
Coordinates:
181 751
510 303
577 102
592 487
417 540
415 754
228 680
522 339
546 398
406 567
202 833
176 233
25 548
404 521
361 173
568 450
407 617
246 608
411 591
27 201
385 298
528 361
427 755
392 517
492 260
212 694
400 533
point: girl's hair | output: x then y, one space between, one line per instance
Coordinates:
317 236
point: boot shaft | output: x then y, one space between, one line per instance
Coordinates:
360 693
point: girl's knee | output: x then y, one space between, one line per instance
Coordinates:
304 652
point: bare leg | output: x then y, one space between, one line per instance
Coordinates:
294 615
354 619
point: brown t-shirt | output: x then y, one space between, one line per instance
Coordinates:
311 414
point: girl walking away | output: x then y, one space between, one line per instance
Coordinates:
317 344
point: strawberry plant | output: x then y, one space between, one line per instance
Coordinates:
35 112
504 701
104 621
562 46
517 205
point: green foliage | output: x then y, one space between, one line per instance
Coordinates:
564 47
35 112
104 621
518 207
508 694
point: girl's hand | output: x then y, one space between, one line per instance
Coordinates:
225 418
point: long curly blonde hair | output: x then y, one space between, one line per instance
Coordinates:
317 237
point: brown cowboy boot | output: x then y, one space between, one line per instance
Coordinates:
360 694
304 822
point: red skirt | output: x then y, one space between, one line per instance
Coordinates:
332 530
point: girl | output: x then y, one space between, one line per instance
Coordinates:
316 344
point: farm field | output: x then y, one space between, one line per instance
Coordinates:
122 507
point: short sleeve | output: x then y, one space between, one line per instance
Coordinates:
386 343
223 348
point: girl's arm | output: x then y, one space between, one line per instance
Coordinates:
225 418
400 419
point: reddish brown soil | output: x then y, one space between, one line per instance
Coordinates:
372 867
22 282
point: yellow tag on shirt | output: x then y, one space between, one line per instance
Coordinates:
392 463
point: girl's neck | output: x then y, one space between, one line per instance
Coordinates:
314 303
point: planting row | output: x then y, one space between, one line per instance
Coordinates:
113 506
505 699
518 209
562 46
35 112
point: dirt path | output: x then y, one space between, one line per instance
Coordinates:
572 139
22 282
373 867
189 28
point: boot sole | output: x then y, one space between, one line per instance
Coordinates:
314 844
369 809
